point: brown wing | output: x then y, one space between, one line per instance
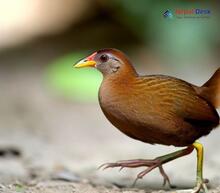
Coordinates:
177 97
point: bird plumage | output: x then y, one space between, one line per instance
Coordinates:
210 91
157 109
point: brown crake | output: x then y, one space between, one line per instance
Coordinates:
155 109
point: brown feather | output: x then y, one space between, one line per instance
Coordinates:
211 90
156 109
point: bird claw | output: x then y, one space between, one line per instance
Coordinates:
166 179
110 165
201 186
150 164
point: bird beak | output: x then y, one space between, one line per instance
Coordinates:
85 63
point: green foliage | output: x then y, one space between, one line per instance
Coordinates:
67 81
180 39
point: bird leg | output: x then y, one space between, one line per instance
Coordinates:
150 164
200 182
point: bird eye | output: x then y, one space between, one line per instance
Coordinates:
104 58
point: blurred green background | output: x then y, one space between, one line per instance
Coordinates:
53 36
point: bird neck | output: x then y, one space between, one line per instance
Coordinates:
125 74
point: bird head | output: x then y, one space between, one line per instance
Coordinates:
108 61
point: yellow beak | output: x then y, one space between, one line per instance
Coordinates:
85 63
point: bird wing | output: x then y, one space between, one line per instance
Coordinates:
177 97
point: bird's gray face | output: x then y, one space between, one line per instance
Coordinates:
106 63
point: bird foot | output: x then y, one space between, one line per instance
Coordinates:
201 186
150 164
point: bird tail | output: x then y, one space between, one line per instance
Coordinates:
211 89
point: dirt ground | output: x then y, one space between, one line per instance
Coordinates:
48 144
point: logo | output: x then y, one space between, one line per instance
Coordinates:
187 13
167 14
192 12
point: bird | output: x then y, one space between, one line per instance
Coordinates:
155 109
